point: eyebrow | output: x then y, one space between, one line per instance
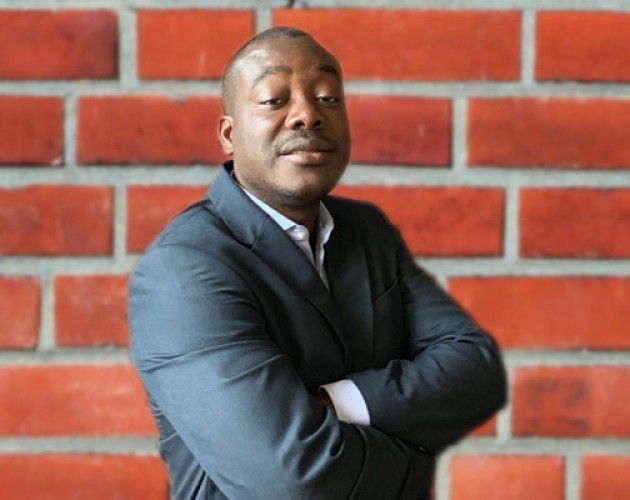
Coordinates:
273 70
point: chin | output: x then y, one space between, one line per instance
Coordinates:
305 194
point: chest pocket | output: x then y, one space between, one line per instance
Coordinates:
389 326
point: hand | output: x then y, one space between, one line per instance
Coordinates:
323 399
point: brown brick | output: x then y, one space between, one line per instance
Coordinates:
536 132
56 220
20 298
82 477
31 130
572 401
71 400
193 44
440 221
583 46
58 45
556 312
575 223
605 477
150 208
507 477
400 130
142 129
392 44
91 310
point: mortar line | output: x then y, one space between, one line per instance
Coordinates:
528 46
127 50
46 341
573 477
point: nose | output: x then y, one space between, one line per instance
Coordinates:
304 114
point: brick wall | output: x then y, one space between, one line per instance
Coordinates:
496 134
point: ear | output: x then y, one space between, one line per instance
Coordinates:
225 134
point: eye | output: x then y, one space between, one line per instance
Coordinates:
272 102
329 99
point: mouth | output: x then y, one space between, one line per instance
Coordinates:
308 151
300 146
308 157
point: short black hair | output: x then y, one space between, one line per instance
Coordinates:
227 83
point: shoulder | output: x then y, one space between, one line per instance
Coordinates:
364 216
194 245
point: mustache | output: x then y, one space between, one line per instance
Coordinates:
306 140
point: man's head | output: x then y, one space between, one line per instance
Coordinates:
285 122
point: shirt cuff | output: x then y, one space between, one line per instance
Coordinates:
348 401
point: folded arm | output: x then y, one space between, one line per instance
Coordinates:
453 378
200 347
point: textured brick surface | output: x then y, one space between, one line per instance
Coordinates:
20 298
58 44
98 400
391 44
190 43
586 223
148 129
557 132
440 221
555 312
583 46
400 130
605 477
507 478
31 130
91 310
572 401
82 477
56 220
494 134
149 208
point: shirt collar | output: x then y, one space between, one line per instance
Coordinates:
325 222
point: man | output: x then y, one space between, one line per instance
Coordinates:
290 347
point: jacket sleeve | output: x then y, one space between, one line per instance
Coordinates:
454 377
200 347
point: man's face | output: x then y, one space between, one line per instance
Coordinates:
287 128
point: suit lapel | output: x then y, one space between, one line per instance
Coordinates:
350 287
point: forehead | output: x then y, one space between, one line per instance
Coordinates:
286 56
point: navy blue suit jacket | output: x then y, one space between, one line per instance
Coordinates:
232 330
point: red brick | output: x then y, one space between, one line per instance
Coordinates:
193 44
390 44
150 208
400 130
534 132
553 312
440 221
19 312
141 129
583 46
499 477
605 477
572 401
586 223
91 310
56 220
60 400
58 45
488 428
31 130
82 477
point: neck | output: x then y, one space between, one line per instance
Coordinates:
305 216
